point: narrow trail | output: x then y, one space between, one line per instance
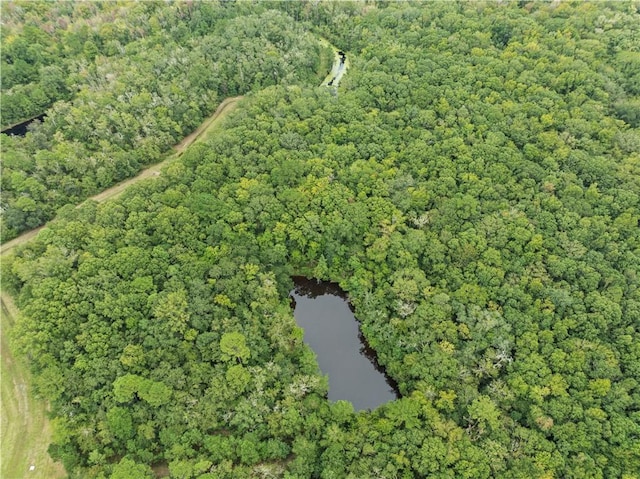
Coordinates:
25 428
23 238
223 109
338 69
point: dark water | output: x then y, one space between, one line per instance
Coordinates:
21 128
332 331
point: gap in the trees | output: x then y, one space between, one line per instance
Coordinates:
20 129
322 310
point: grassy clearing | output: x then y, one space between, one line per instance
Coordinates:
327 59
24 425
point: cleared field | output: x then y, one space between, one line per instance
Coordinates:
24 424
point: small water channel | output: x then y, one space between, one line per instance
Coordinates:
20 129
338 69
332 331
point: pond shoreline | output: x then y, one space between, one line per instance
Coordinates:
322 309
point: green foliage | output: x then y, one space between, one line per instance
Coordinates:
116 105
126 387
234 346
474 189
129 469
120 423
238 378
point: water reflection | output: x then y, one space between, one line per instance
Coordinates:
332 331
20 129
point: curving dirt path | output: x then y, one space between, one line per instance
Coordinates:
25 426
23 238
25 429
223 109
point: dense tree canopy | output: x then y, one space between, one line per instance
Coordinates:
139 95
473 184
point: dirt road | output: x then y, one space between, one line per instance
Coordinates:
25 426
223 109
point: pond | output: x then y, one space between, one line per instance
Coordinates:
332 331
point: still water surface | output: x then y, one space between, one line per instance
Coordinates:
20 129
332 331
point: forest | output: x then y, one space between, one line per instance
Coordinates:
473 184
128 83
